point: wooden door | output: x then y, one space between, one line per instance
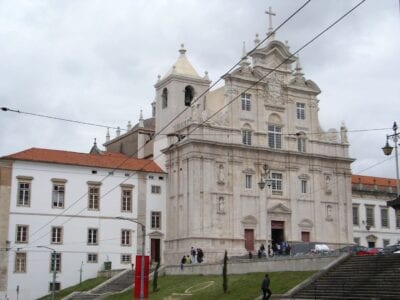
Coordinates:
155 250
305 236
249 239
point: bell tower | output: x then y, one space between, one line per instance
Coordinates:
178 93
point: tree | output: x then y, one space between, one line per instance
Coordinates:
224 273
155 278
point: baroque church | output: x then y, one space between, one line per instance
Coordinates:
248 163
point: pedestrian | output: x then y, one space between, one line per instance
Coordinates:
265 288
193 253
183 261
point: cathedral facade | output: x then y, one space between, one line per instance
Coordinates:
248 163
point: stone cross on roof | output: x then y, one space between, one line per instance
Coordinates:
270 14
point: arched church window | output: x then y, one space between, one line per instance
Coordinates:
189 94
164 98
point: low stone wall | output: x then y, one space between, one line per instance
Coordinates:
309 263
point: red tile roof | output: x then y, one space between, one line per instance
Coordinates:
109 160
369 180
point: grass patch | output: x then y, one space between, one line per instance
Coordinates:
240 287
84 286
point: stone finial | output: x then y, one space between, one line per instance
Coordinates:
257 39
141 121
158 77
182 51
118 132
343 133
206 75
108 135
298 70
244 61
287 44
129 126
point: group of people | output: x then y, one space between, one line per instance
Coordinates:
281 248
196 256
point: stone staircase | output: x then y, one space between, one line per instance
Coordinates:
357 277
118 283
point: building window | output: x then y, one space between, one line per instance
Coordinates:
356 240
274 136
385 242
304 186
20 262
246 137
301 144
92 236
55 262
94 197
156 189
92 258
22 234
24 193
56 235
57 286
126 258
397 212
276 183
246 101
58 195
248 179
189 94
125 237
301 111
156 220
356 219
126 201
370 216
384 218
164 98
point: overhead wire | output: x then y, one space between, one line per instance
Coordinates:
177 116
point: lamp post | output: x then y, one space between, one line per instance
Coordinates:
143 246
266 180
387 150
53 288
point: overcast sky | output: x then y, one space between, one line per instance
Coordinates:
97 61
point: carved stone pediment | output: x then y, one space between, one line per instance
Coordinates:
306 223
280 209
249 220
372 238
156 234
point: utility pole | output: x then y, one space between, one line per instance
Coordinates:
80 273
53 264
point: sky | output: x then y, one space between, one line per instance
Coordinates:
98 61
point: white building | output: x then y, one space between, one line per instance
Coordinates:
69 202
214 145
374 223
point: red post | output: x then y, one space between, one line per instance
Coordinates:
138 276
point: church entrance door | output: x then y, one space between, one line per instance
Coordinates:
155 250
249 239
277 233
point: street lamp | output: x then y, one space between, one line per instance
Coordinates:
387 150
53 288
265 180
142 259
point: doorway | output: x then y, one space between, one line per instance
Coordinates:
277 233
249 239
155 250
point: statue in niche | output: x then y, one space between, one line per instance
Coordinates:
221 174
328 184
329 216
221 205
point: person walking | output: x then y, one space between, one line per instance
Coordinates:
265 287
